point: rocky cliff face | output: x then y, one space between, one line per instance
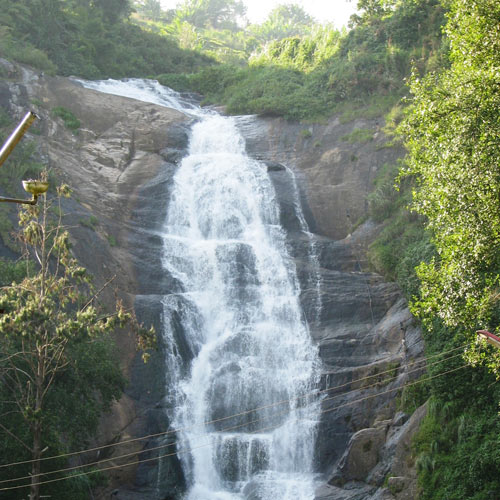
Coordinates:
365 330
117 164
120 164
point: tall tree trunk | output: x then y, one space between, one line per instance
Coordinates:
37 428
35 467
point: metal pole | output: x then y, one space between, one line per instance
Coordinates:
16 136
17 200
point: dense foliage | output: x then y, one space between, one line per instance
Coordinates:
451 180
284 21
246 65
312 75
457 445
89 38
211 13
453 138
56 359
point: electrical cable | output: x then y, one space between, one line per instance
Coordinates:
246 412
68 469
422 359
208 444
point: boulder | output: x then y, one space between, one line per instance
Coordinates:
361 456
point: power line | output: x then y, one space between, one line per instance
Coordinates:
68 469
208 444
246 412
419 360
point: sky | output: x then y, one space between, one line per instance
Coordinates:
335 11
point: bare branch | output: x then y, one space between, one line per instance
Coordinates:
15 437
37 256
98 293
8 358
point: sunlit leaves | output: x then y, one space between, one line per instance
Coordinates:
453 138
57 369
211 13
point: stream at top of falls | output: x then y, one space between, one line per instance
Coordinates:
242 399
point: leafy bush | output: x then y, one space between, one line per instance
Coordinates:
81 40
359 135
25 53
69 119
13 271
457 443
91 223
179 82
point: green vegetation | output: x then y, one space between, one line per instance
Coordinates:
14 271
287 66
452 135
319 71
445 251
69 119
56 357
24 52
440 236
91 222
359 135
19 165
284 21
56 362
89 38
413 396
457 444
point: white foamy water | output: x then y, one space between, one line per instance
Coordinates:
143 90
240 321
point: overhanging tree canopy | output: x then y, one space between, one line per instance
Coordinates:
453 138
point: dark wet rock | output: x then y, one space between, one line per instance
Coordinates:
361 456
274 166
399 419
355 492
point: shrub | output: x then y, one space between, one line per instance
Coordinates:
25 53
90 223
13 271
359 135
70 120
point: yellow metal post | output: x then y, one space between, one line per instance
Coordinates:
16 136
36 188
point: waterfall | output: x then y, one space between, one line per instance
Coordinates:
248 424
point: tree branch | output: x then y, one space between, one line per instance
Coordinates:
98 293
15 437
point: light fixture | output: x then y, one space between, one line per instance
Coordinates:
34 187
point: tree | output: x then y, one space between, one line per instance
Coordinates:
221 14
453 139
375 7
151 9
285 21
56 366
113 10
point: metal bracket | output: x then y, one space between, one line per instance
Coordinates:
36 188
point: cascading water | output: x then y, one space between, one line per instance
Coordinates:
249 426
